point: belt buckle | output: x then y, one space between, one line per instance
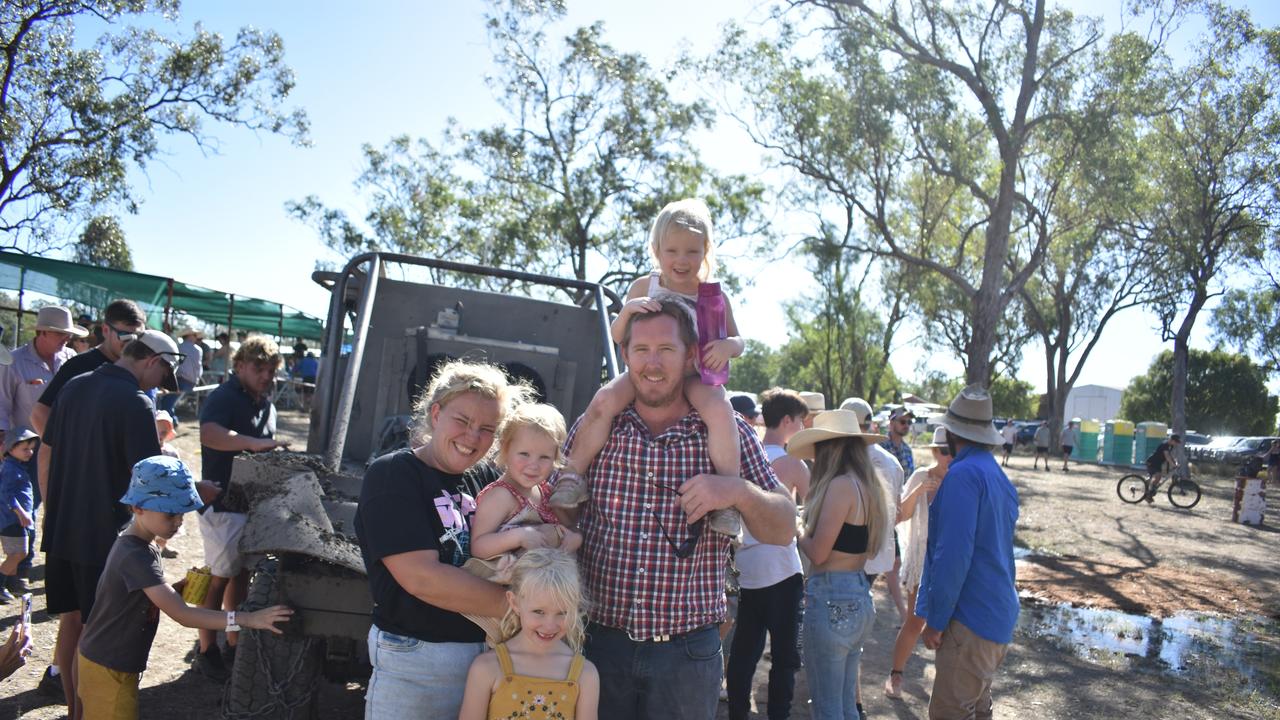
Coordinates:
651 638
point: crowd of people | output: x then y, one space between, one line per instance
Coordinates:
88 463
591 575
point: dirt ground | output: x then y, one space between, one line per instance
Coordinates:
1083 548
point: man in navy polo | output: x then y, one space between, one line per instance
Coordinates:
101 425
237 417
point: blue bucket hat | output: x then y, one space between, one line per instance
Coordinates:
163 484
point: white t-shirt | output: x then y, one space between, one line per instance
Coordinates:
1068 438
761 565
891 473
1009 432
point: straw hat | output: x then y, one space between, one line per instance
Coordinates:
816 401
188 330
969 416
54 318
828 425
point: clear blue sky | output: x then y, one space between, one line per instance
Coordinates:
369 71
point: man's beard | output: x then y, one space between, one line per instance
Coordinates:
665 400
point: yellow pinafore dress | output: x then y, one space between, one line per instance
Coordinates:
521 696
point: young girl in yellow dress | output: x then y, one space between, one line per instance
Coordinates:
538 670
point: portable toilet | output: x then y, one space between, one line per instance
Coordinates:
1118 443
1086 447
1147 438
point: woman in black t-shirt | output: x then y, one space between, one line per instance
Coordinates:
414 526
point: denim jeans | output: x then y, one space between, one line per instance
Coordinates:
415 678
776 610
674 680
838 615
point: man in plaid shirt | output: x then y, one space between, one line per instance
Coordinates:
653 570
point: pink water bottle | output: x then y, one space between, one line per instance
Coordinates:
712 325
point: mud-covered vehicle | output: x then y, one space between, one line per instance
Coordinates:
384 338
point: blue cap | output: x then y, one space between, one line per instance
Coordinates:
163 484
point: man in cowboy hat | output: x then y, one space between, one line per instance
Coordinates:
654 571
967 594
816 402
21 384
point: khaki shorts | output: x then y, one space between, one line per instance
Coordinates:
106 694
221 532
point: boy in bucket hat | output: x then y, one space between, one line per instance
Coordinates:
17 504
967 594
117 640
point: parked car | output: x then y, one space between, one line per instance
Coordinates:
1245 449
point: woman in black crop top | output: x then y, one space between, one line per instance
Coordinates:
846 511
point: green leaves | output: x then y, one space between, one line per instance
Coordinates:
568 183
74 119
1226 394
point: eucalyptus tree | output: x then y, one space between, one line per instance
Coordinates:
592 144
77 113
1214 166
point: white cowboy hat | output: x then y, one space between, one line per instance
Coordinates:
187 330
54 318
969 416
828 425
815 401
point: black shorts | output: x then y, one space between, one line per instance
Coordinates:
70 586
14 530
1008 447
1043 449
1066 449
1155 468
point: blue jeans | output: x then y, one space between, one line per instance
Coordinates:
415 678
838 614
674 680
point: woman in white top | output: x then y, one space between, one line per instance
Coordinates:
914 511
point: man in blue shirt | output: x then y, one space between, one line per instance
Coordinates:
967 594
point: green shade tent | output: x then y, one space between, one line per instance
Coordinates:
159 297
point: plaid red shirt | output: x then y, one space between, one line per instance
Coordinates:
632 577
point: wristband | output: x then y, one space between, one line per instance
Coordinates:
231 622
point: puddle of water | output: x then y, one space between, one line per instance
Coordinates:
1190 645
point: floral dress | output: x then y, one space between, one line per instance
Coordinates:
521 696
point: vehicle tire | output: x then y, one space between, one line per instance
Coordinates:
1132 488
1184 494
274 676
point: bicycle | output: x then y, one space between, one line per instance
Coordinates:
1182 492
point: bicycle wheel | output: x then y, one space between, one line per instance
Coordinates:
1132 488
1184 494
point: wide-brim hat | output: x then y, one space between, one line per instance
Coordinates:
163 484
54 318
190 331
17 435
969 416
828 425
815 401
